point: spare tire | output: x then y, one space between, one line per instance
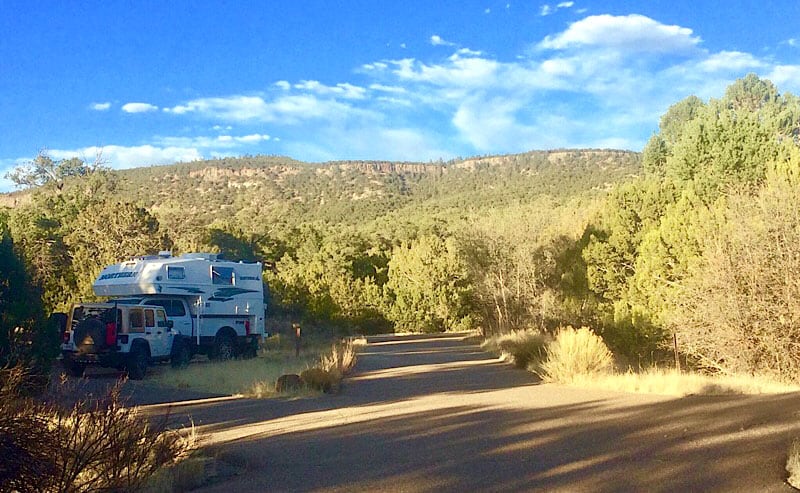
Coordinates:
90 335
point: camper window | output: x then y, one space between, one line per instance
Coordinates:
149 319
174 308
175 272
222 275
136 320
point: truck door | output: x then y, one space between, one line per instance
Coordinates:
159 334
177 312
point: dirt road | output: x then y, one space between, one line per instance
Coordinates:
436 414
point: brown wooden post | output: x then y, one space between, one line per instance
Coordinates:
296 328
677 356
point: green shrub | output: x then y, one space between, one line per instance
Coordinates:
575 353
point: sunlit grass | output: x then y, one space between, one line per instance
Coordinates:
251 378
580 360
256 377
522 347
671 382
793 464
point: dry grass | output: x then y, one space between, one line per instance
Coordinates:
793 464
670 382
250 378
522 347
256 378
575 353
579 358
97 445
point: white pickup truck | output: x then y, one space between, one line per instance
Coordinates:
211 306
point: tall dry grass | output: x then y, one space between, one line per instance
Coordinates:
579 358
575 353
522 347
99 445
793 464
256 377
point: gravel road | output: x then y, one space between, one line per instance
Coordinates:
436 414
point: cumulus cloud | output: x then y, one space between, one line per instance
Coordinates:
138 107
121 157
437 40
101 106
786 77
732 61
631 33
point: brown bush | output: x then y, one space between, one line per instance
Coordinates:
739 312
319 379
93 446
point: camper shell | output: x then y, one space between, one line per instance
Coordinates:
218 304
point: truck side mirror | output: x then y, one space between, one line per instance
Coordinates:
170 324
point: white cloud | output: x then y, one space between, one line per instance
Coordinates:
121 157
285 109
344 90
437 40
786 77
547 9
206 142
632 33
793 42
101 106
487 11
375 66
457 72
283 84
392 89
138 107
731 61
403 45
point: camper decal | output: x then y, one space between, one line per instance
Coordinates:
227 294
117 275
188 289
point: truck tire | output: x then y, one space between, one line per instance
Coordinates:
138 359
181 354
74 369
224 347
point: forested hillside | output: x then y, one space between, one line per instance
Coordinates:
697 237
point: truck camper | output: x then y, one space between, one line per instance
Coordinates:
214 307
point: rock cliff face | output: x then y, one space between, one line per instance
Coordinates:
270 177
386 167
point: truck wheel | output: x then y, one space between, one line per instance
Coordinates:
138 360
74 369
181 355
224 348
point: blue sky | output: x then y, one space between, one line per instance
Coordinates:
154 82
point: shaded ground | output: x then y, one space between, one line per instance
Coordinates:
435 414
